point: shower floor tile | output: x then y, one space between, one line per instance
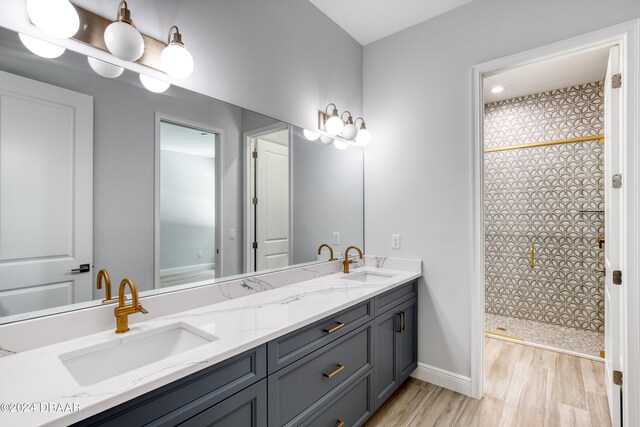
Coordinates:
560 337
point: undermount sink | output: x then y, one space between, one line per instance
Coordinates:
100 362
368 277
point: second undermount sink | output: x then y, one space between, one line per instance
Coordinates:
100 362
368 277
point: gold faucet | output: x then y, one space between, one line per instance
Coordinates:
123 311
104 275
324 245
348 261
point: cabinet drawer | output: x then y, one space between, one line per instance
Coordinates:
291 347
302 387
182 399
388 300
351 407
245 409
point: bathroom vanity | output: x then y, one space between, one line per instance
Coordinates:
324 351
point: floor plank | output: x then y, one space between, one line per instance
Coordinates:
524 387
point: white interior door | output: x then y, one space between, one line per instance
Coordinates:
46 186
272 211
613 236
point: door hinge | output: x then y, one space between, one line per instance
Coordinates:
255 245
254 154
617 277
617 378
616 181
616 81
254 200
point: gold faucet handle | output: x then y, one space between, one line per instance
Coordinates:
141 309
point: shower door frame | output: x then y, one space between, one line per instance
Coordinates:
626 36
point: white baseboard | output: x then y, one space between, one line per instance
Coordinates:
188 269
442 378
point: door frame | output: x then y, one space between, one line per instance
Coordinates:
626 36
219 161
247 138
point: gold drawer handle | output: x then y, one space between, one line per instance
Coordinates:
330 375
532 257
340 423
335 328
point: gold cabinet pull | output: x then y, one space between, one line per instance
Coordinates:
335 328
340 423
330 375
532 257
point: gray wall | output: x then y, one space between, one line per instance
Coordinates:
417 86
282 58
187 210
327 195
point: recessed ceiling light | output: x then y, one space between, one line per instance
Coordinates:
497 89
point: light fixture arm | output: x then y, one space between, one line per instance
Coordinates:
177 36
363 125
335 110
349 118
124 14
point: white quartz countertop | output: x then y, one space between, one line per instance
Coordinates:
38 379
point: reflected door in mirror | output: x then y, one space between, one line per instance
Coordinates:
46 185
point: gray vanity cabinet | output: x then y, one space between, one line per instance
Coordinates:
395 349
333 372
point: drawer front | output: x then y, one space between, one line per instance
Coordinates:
351 407
388 300
291 347
180 400
245 409
302 387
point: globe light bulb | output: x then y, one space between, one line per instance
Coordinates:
154 85
175 58
41 47
311 136
350 131
334 125
104 69
122 38
340 145
57 18
326 140
364 137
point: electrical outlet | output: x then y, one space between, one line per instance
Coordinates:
395 241
232 233
336 237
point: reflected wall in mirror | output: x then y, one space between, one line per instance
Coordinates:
99 173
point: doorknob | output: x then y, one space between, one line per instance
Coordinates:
83 268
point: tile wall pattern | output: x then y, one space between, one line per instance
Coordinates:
534 196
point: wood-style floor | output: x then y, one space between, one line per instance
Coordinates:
524 386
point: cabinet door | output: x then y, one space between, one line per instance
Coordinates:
407 339
385 369
247 408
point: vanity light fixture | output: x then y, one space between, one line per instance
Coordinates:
154 85
105 69
41 47
364 136
57 18
497 89
350 130
175 58
332 124
311 136
122 38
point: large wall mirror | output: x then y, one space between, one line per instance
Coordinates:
171 189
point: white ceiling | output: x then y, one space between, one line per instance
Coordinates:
557 73
368 21
185 140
